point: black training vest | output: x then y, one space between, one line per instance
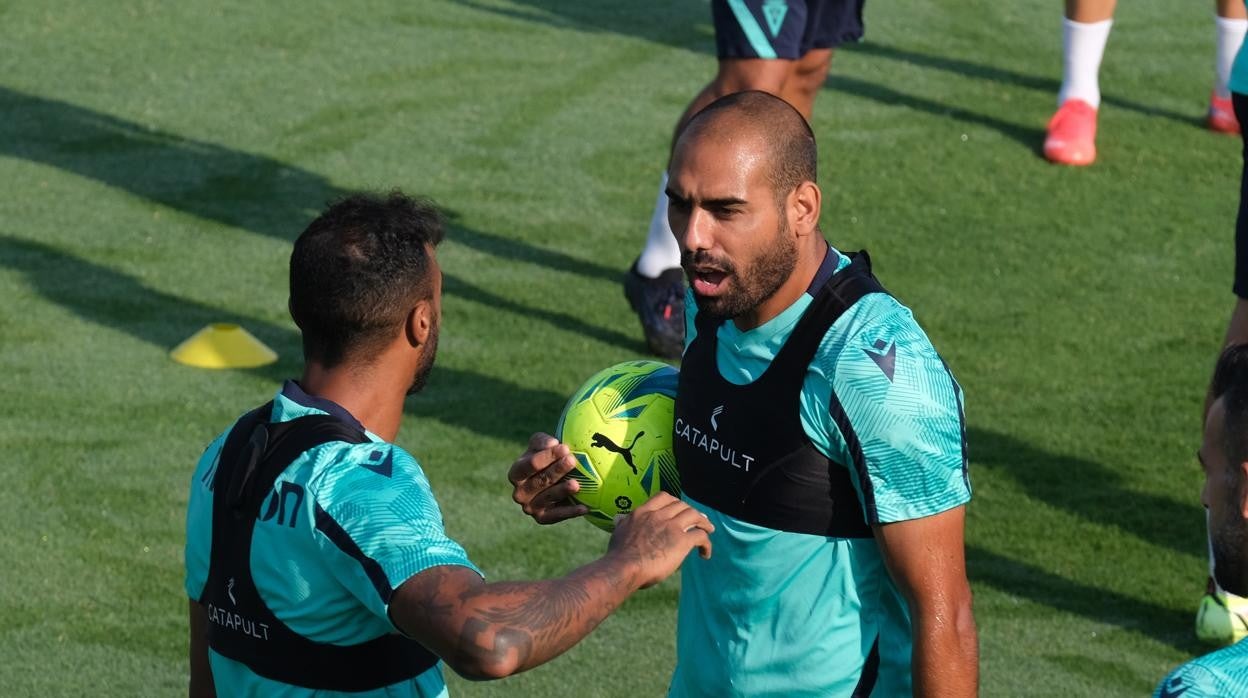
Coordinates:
240 625
741 449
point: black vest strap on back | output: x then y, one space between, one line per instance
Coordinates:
741 455
241 626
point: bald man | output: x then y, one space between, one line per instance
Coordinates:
783 47
816 428
1223 457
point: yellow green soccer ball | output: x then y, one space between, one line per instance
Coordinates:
619 427
1222 618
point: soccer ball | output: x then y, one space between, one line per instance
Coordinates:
1221 618
618 426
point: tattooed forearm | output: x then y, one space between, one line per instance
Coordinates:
529 623
542 605
491 630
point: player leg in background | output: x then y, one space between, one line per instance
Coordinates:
1222 618
1230 23
1071 137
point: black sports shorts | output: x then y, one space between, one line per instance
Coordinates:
783 28
1241 222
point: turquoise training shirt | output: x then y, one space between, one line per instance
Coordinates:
1239 70
778 614
1215 675
376 494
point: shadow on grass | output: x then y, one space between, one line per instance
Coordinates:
244 190
515 250
991 73
116 300
680 25
496 408
455 286
1016 578
677 23
478 403
1092 492
1031 137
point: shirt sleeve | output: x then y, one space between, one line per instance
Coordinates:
1192 680
199 520
378 524
900 414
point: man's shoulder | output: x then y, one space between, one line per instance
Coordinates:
370 465
206 466
376 476
873 339
1195 679
1218 673
874 312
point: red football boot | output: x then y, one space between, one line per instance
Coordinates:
1222 115
1071 138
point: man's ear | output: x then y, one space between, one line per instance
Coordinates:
803 208
419 323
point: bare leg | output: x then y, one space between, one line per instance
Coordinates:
738 75
1088 11
806 79
1232 9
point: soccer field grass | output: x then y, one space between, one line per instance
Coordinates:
157 159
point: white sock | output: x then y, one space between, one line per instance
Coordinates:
1082 48
661 251
1230 33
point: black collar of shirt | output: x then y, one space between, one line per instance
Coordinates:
831 260
291 390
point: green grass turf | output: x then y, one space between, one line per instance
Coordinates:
157 159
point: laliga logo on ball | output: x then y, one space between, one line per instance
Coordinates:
618 426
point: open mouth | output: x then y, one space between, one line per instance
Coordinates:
707 281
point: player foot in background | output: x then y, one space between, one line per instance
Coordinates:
660 305
1222 115
1071 138
1221 618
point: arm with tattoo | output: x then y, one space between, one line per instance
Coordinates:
488 631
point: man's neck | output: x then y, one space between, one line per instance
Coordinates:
376 402
804 272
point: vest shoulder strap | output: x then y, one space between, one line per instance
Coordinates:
258 451
840 293
242 627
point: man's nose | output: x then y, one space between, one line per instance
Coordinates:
697 233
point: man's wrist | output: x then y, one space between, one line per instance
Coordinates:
624 568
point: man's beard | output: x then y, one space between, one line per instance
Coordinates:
750 289
1229 542
421 376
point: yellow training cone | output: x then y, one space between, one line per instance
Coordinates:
223 345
